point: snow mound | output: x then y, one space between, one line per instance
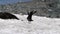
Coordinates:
40 25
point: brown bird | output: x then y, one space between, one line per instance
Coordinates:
29 18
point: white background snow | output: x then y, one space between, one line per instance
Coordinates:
40 25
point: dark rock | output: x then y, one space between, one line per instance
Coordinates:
6 15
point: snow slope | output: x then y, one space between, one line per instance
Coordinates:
40 25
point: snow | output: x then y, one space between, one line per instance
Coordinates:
40 25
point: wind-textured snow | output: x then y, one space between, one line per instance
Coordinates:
40 25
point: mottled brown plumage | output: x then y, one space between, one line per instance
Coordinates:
29 18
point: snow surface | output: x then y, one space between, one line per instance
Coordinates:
40 25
